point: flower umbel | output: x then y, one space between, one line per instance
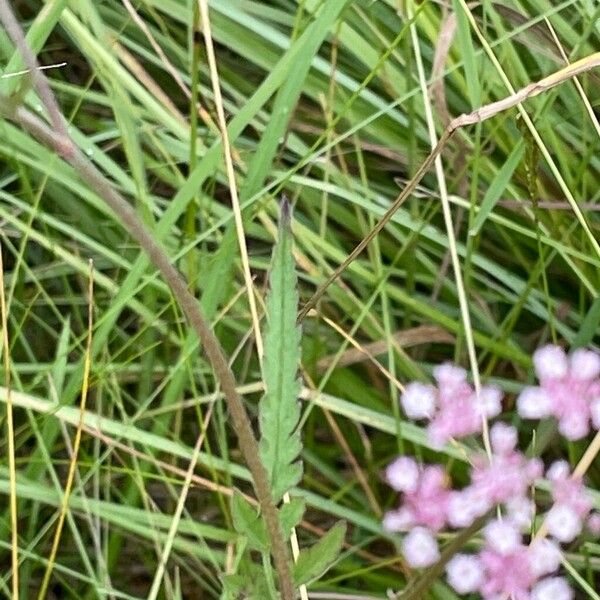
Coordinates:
569 390
453 408
500 485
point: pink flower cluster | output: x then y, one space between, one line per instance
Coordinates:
505 567
428 501
569 390
453 408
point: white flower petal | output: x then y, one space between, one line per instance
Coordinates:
544 557
398 520
520 511
504 438
464 507
558 470
585 364
534 403
420 548
502 536
552 588
595 412
489 402
403 474
465 573
563 523
593 524
418 400
574 426
550 363
449 374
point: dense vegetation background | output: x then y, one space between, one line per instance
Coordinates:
330 102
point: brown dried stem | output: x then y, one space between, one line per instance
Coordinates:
477 116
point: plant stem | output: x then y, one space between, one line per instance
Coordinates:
59 140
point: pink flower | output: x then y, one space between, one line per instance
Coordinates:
567 489
427 504
569 390
502 537
453 409
465 506
593 524
507 574
420 548
425 496
512 569
572 503
507 568
509 475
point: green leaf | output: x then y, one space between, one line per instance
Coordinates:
244 586
62 355
497 186
218 269
247 522
290 514
589 326
280 442
465 43
287 96
315 561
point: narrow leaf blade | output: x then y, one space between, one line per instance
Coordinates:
497 186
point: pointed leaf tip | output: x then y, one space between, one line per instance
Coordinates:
285 214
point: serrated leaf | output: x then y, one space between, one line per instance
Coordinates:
290 514
279 408
314 561
247 522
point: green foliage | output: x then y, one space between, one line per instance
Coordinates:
247 520
241 587
290 514
497 187
280 443
314 561
589 325
322 102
